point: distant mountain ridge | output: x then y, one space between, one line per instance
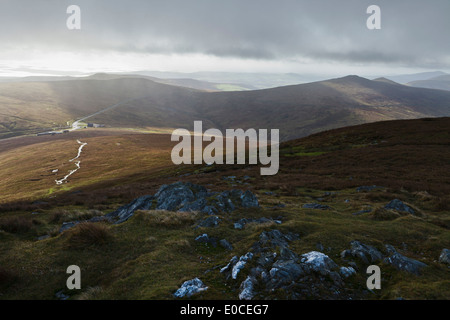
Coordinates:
297 110
441 82
406 78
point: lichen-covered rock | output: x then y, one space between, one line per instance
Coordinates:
189 288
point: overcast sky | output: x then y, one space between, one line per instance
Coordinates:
315 36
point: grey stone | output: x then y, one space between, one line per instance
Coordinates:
347 271
249 200
125 212
67 225
61 296
403 263
361 212
240 264
247 288
189 288
240 224
172 197
225 244
230 265
209 222
186 197
315 206
445 256
284 272
204 238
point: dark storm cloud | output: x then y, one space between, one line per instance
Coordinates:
413 32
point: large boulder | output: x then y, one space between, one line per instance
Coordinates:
399 206
366 253
318 262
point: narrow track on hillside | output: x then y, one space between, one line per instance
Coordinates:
80 149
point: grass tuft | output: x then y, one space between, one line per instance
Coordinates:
88 233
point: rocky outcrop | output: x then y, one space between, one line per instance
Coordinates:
299 277
399 206
184 197
189 288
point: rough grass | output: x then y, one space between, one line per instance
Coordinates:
87 234
18 224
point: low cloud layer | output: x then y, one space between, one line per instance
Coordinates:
414 33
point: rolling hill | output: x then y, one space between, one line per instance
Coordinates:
296 110
440 82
